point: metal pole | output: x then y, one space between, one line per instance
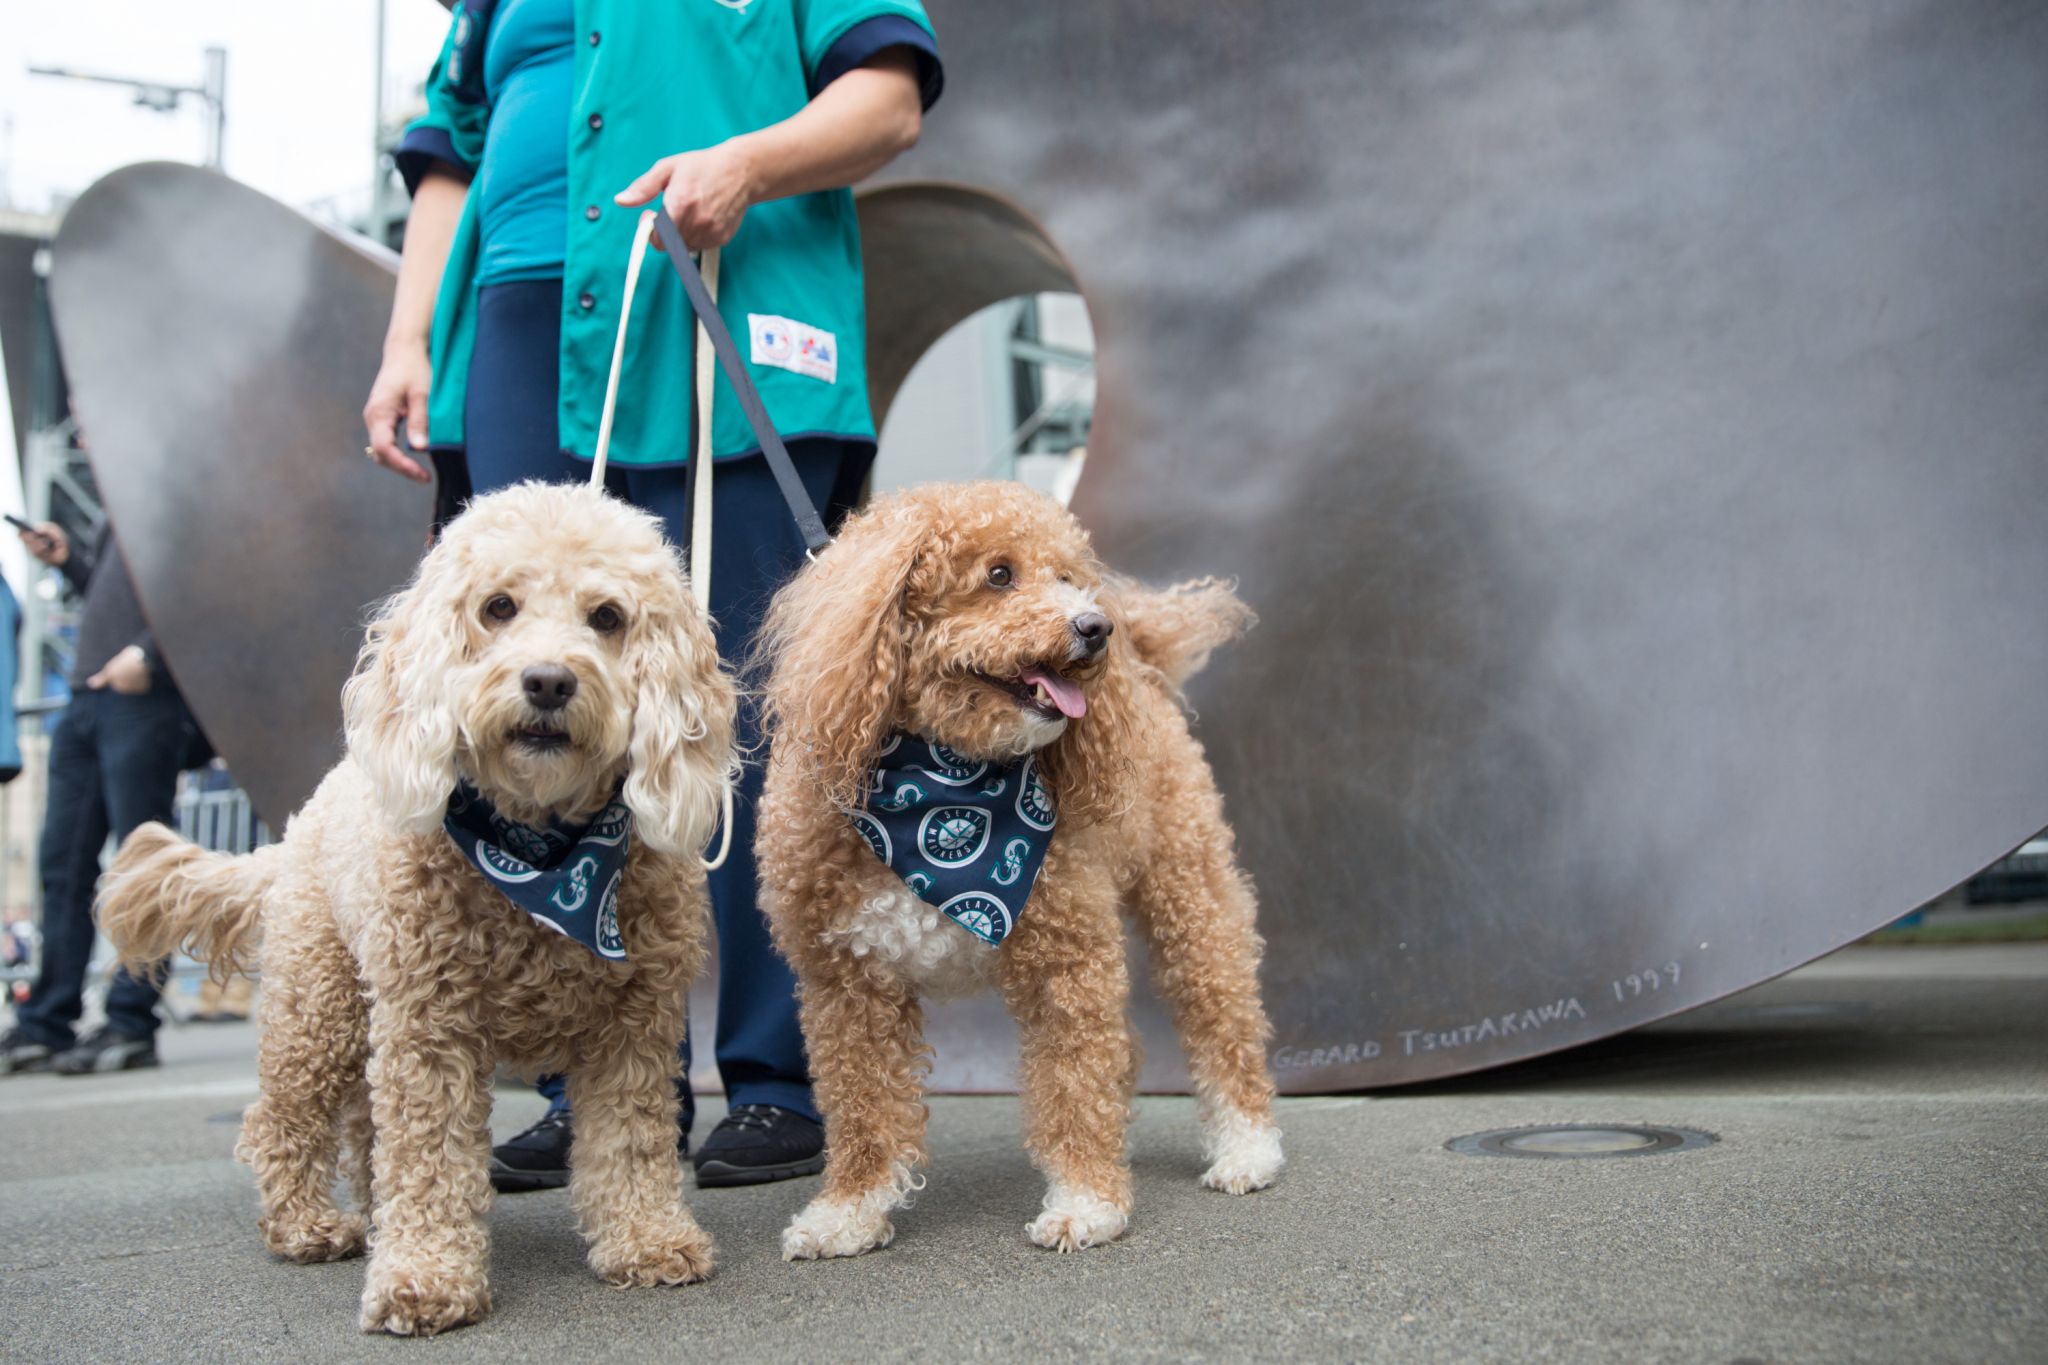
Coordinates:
215 92
377 175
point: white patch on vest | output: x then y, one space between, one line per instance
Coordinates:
795 346
919 945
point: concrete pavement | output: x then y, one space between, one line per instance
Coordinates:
1878 1194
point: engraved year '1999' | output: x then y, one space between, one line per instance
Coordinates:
1646 982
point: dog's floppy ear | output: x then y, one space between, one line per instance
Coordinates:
399 716
682 746
834 645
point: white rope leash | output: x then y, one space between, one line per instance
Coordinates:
700 476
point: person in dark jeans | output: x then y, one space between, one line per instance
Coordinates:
114 764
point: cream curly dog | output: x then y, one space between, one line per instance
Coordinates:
546 651
977 616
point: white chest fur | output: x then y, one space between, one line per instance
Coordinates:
917 943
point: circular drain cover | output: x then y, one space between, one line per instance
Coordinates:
1578 1140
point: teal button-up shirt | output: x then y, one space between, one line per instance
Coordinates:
653 79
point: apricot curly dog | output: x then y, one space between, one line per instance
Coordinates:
973 625
548 655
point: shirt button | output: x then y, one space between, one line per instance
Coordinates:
593 37
586 300
591 212
596 122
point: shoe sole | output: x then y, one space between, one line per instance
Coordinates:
39 1066
716 1173
506 1180
102 1067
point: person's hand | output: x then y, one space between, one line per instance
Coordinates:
126 673
398 397
707 193
48 543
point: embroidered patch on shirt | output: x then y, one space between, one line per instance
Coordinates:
795 346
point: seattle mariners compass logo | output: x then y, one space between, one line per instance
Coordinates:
610 827
952 768
1034 798
523 842
871 830
504 866
608 940
981 915
953 836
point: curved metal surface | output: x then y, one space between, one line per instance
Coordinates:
1627 420
219 346
1629 423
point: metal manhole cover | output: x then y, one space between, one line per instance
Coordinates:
1580 1140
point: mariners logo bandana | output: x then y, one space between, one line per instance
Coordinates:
565 876
965 836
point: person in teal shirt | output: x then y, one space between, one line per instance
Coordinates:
549 124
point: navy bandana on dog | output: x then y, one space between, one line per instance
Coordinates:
966 837
565 876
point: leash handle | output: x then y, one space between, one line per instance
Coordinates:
700 475
736 374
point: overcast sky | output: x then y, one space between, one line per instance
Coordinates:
300 89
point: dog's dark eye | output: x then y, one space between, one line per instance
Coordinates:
501 608
999 576
606 619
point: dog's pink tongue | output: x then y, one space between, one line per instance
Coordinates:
1065 695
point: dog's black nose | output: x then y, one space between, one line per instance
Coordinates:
548 686
1094 629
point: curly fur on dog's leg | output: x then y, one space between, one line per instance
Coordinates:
624 1175
1198 915
1065 983
430 1101
310 1058
868 1059
357 1140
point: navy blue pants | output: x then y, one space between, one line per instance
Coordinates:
114 764
511 433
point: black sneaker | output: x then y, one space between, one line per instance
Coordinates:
103 1051
538 1159
19 1055
757 1143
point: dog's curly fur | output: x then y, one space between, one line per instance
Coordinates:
898 626
396 978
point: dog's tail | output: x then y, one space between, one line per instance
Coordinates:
1175 629
164 895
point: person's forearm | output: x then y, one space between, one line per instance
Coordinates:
429 231
857 125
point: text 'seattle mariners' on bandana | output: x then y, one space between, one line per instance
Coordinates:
565 876
967 837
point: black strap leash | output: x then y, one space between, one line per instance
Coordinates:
807 520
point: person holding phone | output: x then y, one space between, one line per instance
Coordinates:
549 124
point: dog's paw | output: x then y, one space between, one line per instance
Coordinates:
680 1256
1244 1154
330 1236
1075 1220
834 1227
421 1304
